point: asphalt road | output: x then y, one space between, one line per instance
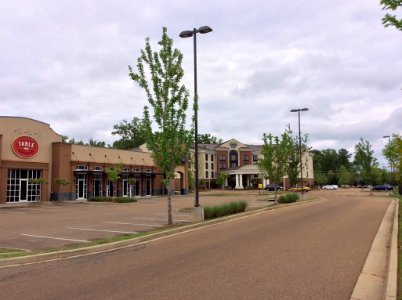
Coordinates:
308 251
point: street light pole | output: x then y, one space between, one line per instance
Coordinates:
185 34
298 110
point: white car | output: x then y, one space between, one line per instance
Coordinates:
330 187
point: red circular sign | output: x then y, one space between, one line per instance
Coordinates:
25 147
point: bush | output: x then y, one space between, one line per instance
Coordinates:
288 198
112 199
212 212
124 200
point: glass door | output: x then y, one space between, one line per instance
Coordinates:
23 190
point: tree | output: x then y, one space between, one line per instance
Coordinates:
276 156
168 98
364 161
392 152
345 177
388 19
221 179
207 138
132 134
113 175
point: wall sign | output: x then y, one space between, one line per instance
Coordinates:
25 147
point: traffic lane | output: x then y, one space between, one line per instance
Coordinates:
310 251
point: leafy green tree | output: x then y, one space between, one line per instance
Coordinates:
160 74
344 158
388 19
94 143
113 175
207 138
345 176
221 179
392 152
276 156
132 134
364 161
320 178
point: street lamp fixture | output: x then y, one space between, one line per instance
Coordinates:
186 34
298 110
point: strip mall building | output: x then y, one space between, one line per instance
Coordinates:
36 165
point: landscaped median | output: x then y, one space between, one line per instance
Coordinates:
16 257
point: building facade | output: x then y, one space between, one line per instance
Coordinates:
240 161
36 165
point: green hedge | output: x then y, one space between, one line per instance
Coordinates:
112 199
211 212
288 198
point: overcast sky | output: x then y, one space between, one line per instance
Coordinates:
66 63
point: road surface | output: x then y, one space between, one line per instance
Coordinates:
307 251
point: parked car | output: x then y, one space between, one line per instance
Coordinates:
272 186
382 187
299 189
330 187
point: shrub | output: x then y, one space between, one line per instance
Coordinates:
112 199
124 200
211 212
288 198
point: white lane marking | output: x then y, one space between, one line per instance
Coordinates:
38 209
157 219
102 230
122 223
151 219
54 238
15 212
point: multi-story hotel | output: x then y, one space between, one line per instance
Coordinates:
240 162
36 165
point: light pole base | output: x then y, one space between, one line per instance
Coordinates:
198 214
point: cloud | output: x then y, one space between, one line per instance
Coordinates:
65 63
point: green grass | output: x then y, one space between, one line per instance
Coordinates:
399 281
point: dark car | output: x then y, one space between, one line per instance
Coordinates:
382 187
272 186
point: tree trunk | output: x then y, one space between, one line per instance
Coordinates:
169 188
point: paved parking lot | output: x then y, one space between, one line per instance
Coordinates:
57 224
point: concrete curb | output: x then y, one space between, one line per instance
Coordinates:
42 257
378 277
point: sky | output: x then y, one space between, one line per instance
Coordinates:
65 63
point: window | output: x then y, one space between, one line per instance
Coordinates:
81 168
212 166
212 157
206 166
234 159
206 156
212 174
222 157
245 158
255 157
97 168
222 166
206 174
20 186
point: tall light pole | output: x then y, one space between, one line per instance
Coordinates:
186 34
298 110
